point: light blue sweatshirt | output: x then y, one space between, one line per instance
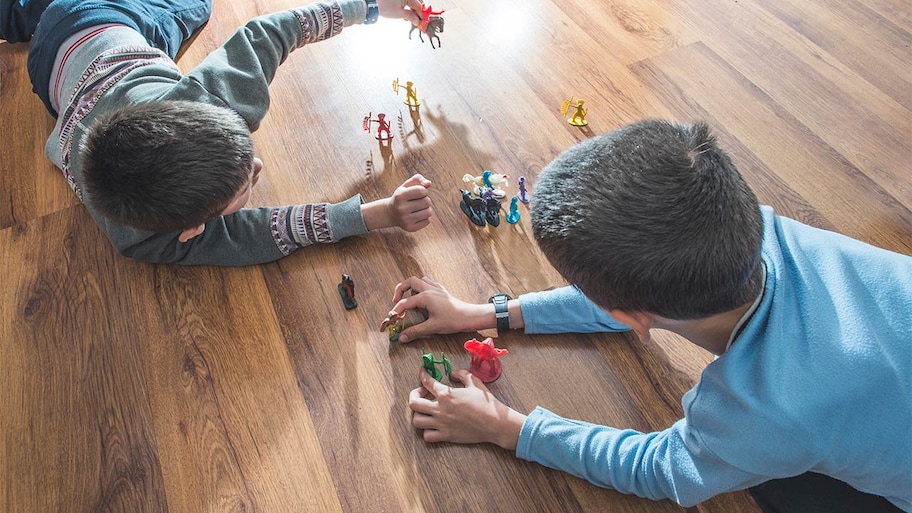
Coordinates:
817 380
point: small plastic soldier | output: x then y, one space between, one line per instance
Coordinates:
411 97
513 214
347 291
579 117
429 364
473 208
523 193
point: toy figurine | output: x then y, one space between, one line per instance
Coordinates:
488 179
426 13
383 126
523 193
429 364
579 117
485 363
473 208
411 99
513 214
394 324
430 25
347 291
492 208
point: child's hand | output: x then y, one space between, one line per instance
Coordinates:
465 415
411 207
445 313
408 208
405 9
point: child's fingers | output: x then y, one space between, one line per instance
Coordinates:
422 421
416 180
414 226
418 402
412 192
413 283
432 385
433 436
467 379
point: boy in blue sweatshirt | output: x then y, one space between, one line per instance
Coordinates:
809 401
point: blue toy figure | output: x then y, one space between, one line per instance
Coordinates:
513 214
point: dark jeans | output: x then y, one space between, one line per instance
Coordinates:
816 493
166 24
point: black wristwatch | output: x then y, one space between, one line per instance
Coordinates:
373 12
500 311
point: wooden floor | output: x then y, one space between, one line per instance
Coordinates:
129 387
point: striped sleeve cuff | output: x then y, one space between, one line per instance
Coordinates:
297 226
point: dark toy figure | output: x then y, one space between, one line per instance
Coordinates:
473 208
347 291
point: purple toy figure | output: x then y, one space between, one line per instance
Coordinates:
485 363
523 193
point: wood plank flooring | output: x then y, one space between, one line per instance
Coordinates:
130 387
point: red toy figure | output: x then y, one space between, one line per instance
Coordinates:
485 364
383 126
426 12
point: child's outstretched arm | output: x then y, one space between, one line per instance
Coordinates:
561 310
409 207
445 313
237 74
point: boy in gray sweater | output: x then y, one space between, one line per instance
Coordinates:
163 161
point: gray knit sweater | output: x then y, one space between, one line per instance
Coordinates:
119 68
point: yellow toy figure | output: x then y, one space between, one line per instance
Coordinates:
579 117
411 99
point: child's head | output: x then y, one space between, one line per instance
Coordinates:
651 217
167 166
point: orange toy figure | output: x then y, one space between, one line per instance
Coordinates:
383 126
485 363
579 117
394 324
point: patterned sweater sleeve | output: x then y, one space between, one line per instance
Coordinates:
238 73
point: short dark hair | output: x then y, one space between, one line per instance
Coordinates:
166 166
651 217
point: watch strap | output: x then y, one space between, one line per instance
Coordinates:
501 313
373 12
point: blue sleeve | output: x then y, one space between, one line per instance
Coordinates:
670 464
565 310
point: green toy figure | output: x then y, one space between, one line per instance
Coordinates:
429 364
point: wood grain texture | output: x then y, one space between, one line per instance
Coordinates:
134 387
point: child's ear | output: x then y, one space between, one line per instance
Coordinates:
189 233
640 322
